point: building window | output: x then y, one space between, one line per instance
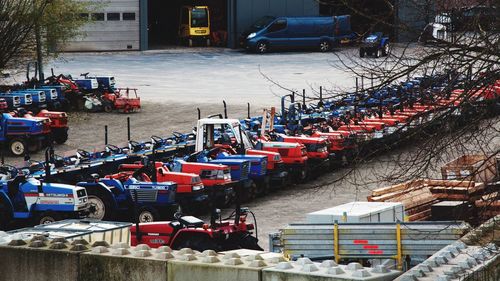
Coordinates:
113 16
84 16
98 16
128 16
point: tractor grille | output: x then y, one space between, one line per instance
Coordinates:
28 99
244 170
263 167
144 195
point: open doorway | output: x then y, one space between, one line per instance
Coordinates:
164 17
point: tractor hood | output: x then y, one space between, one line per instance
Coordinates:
17 125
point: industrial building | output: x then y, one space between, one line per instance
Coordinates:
154 24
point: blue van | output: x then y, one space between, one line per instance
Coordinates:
297 32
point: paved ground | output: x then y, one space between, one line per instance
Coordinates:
203 75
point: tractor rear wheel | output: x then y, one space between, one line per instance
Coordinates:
46 218
17 147
147 214
195 241
247 241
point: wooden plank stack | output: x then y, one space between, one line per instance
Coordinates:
455 190
418 196
415 196
476 167
488 205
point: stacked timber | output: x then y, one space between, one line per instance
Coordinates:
474 167
456 190
415 196
488 205
418 196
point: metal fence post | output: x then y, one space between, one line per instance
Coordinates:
336 242
398 238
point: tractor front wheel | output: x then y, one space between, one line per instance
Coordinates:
17 147
100 206
146 214
60 136
362 52
46 218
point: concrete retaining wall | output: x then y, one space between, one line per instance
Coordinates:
59 260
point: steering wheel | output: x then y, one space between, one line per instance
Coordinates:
212 153
115 149
83 153
8 170
177 215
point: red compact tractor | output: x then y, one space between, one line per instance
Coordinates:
121 100
190 232
58 124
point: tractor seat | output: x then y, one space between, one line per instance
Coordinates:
176 226
13 186
190 221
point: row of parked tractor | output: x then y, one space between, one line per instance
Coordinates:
225 161
34 114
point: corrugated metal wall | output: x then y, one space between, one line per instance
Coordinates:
248 11
108 35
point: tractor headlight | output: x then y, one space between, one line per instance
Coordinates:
197 187
277 158
251 35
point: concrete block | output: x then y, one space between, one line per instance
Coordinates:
121 262
40 260
188 265
305 270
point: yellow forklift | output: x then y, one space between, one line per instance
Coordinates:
194 26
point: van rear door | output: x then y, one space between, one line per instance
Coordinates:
277 33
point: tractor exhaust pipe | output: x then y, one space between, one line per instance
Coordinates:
304 99
106 135
199 113
321 94
49 154
128 128
248 110
225 109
